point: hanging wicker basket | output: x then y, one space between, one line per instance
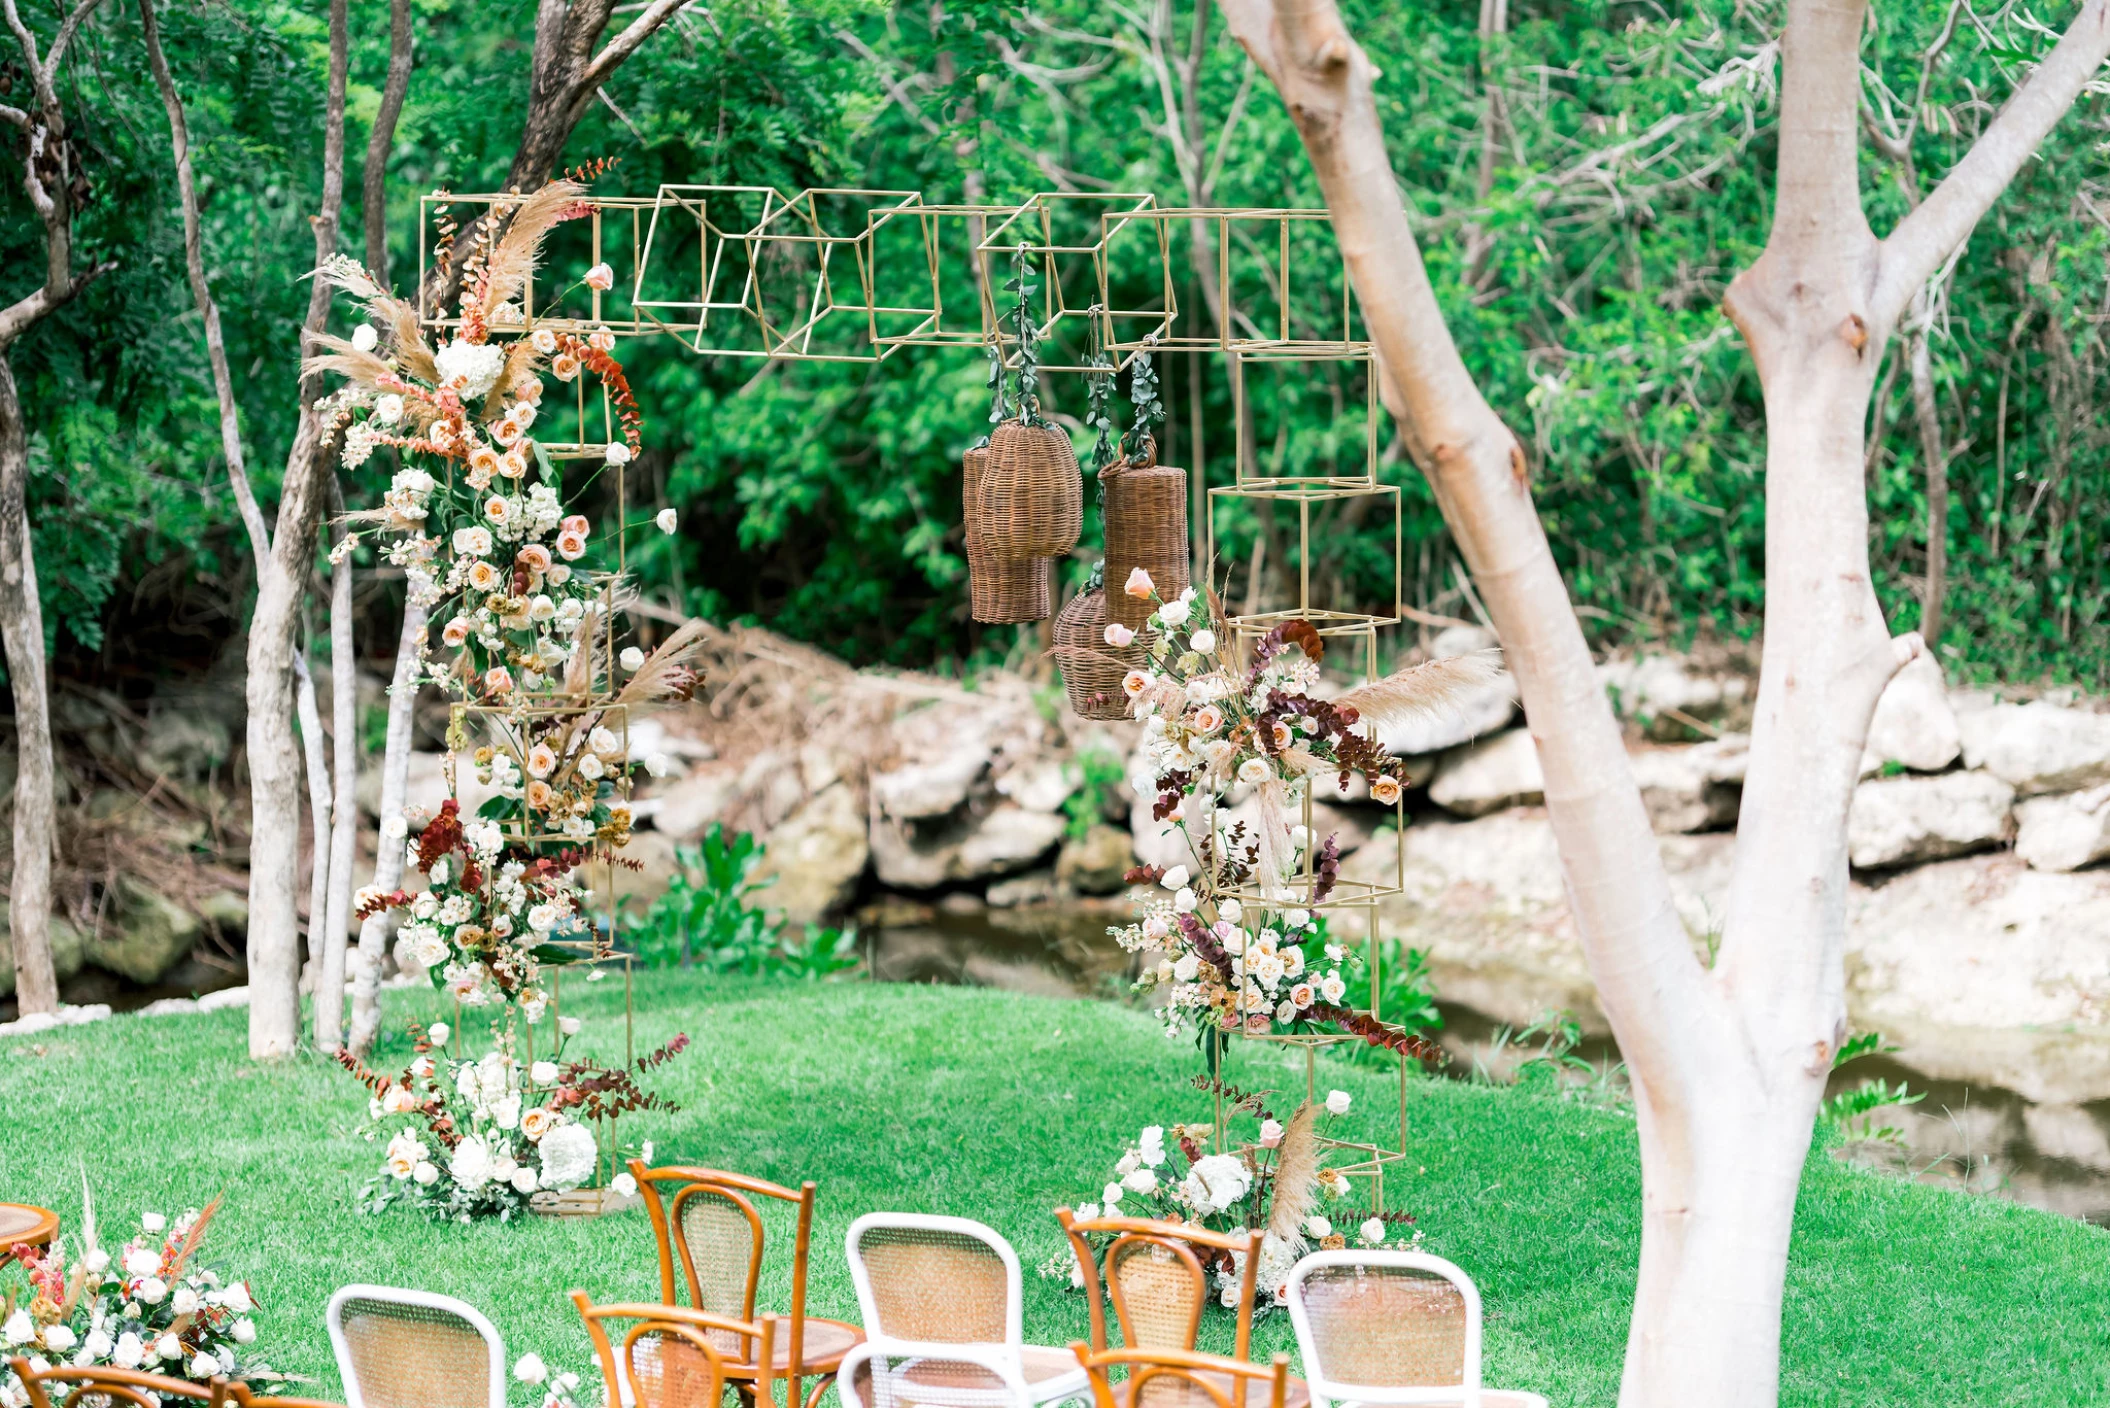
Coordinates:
1092 669
1146 527
1032 493
999 592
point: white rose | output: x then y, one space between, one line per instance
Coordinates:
1255 770
1184 902
617 453
623 1186
632 658
1372 1232
659 765
97 1261
184 1302
529 1369
1317 1226
1214 1183
1111 1196
543 1073
524 1180
141 1262
58 1338
364 337
154 1223
1188 968
438 1033
204 1366
168 1347
1203 641
236 1298
568 1025
1337 1102
1174 613
388 409
426 1174
128 1351
1230 911
1141 1181
1297 919
1175 878
245 1332
153 1290
97 1346
666 520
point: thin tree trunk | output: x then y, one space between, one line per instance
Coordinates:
344 823
374 176
315 758
376 929
22 630
1936 459
274 760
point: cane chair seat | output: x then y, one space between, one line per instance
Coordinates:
1381 1328
413 1349
951 1281
1180 1378
22 1225
1205 1389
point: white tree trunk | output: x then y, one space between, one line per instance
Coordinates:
344 823
274 759
1728 1065
376 929
315 761
22 630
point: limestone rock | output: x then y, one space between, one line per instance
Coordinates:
425 785
184 744
148 934
1039 786
228 910
69 948
2038 747
1033 887
2064 832
1691 789
1653 689
772 786
1480 710
685 807
1984 970
924 855
1907 820
1914 724
817 856
225 998
65 1017
1489 775
169 1007
1095 865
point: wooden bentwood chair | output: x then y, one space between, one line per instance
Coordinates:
675 1357
710 1237
413 1349
907 1374
1159 1287
1173 1376
950 1281
1381 1328
104 1386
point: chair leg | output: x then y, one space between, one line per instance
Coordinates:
820 1386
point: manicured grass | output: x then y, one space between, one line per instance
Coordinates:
1003 1107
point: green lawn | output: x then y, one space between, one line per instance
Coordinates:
1002 1107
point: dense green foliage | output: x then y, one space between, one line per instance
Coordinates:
1586 186
1003 1107
714 916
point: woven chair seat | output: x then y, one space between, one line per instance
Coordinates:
1489 1398
1050 1374
827 1341
1168 1392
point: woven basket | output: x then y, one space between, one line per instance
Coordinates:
1032 494
1146 527
999 593
1093 681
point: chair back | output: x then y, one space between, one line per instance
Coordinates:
710 1235
1386 1327
669 1356
103 1386
1158 1285
1175 1378
935 1280
906 1374
413 1349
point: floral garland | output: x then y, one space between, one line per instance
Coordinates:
147 1307
478 1139
1241 946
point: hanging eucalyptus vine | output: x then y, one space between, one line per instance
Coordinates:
1149 410
1028 336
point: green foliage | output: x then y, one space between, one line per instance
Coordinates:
1850 1115
709 918
1406 998
1101 784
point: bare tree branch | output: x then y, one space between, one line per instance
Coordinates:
627 43
374 175
1923 239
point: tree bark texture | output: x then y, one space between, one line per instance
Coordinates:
1927 414
381 141
376 929
315 761
274 757
336 917
1728 1063
50 173
22 630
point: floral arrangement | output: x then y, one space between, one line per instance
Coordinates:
477 519
1241 946
147 1307
1276 1184
477 1139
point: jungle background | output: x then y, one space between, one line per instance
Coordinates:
1587 177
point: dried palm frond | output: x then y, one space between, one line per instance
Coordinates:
343 271
512 263
1422 689
578 671
193 1237
362 368
1304 761
405 340
665 673
521 358
1296 1178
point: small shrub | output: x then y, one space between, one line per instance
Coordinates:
710 918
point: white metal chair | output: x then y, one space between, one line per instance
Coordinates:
413 1349
1391 1328
908 1374
925 1282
